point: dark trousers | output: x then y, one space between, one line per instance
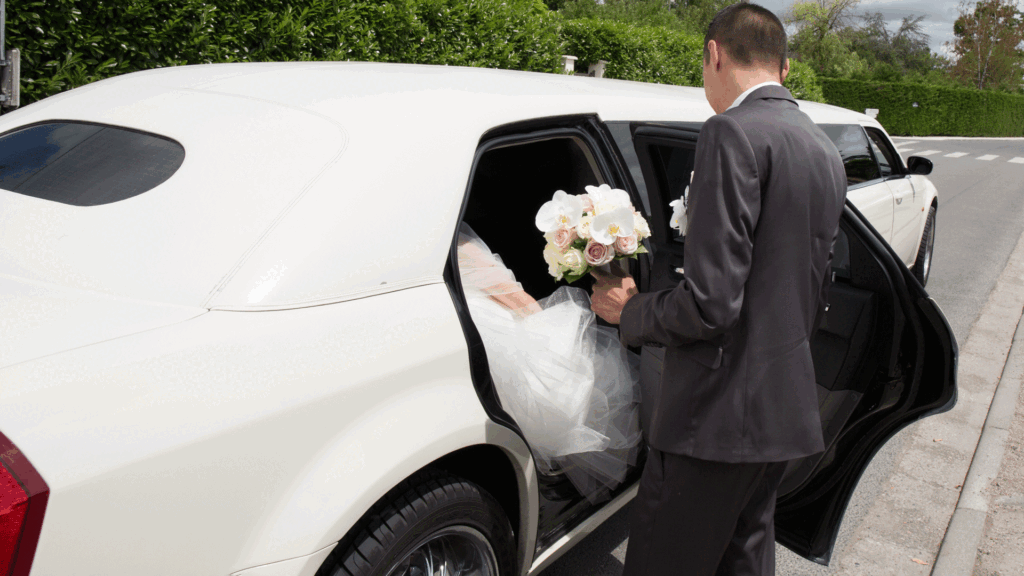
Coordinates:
694 517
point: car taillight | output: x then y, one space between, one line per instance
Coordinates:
23 495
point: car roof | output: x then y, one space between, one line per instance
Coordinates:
303 182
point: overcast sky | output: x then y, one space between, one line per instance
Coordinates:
938 22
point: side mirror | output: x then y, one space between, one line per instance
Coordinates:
919 165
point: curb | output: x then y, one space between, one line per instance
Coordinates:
959 549
960 546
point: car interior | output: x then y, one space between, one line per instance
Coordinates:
510 183
852 349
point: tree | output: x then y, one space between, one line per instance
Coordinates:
696 15
893 55
818 42
987 47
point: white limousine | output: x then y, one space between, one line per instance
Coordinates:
234 341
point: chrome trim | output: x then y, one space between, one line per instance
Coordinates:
563 544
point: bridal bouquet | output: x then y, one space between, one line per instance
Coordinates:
588 230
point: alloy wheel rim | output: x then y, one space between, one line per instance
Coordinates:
451 551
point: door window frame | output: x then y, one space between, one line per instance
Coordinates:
899 170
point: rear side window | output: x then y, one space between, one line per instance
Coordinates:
84 164
854 148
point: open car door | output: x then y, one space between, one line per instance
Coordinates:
884 355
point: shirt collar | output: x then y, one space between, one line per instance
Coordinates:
742 97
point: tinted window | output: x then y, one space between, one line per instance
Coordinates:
888 161
853 146
85 164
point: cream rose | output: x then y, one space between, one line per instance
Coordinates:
573 260
598 254
563 237
626 245
553 256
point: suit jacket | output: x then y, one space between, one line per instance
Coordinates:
738 381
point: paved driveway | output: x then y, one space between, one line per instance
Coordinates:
980 218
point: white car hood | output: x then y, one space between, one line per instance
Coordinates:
38 319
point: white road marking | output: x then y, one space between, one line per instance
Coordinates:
1017 160
905 152
905 142
956 154
988 157
928 152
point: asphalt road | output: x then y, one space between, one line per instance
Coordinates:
979 220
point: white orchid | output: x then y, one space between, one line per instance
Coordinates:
606 198
613 224
562 211
678 220
641 225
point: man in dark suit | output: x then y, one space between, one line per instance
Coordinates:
738 396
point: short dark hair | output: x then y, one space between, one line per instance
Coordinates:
750 34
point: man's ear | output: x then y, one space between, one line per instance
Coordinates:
716 56
785 71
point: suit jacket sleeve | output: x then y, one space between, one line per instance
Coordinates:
724 206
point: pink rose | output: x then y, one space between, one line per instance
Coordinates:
598 254
626 245
588 204
563 237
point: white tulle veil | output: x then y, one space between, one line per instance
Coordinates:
568 383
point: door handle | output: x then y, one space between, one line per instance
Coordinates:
899 199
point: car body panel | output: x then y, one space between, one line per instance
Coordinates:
875 201
40 319
312 408
906 218
302 566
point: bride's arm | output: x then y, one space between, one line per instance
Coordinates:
509 294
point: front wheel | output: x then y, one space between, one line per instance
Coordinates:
430 525
923 264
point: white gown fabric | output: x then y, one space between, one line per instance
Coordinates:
569 384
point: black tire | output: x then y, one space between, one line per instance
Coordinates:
923 264
428 506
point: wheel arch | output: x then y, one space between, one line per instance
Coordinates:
510 480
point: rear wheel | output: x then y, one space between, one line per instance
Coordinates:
923 264
432 524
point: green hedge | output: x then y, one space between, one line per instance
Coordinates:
662 55
940 111
641 53
68 43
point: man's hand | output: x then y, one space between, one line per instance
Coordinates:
611 292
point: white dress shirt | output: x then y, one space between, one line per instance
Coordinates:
742 97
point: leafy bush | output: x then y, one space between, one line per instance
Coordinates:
638 12
940 111
803 82
68 43
641 53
